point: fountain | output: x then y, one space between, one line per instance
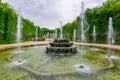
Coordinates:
110 39
83 25
61 46
36 39
18 34
18 40
55 34
44 67
94 34
83 68
94 38
74 35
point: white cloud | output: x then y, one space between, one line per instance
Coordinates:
49 13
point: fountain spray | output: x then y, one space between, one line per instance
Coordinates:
18 34
74 35
110 34
36 39
83 25
94 34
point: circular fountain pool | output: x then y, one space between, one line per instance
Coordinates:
37 65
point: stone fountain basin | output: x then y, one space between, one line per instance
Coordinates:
39 64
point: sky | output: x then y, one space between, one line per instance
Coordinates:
49 13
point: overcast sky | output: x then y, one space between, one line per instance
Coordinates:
49 13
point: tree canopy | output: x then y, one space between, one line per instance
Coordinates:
99 17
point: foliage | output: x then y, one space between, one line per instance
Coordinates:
68 29
46 31
99 17
28 30
8 24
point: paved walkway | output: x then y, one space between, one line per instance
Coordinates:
33 43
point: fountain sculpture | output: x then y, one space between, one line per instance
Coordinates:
60 46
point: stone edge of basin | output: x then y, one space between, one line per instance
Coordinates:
34 43
23 44
104 46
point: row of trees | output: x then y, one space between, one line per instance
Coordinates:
8 24
99 17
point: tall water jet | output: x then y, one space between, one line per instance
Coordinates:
61 30
36 38
94 34
18 40
110 39
110 35
55 34
94 38
18 34
83 25
74 35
